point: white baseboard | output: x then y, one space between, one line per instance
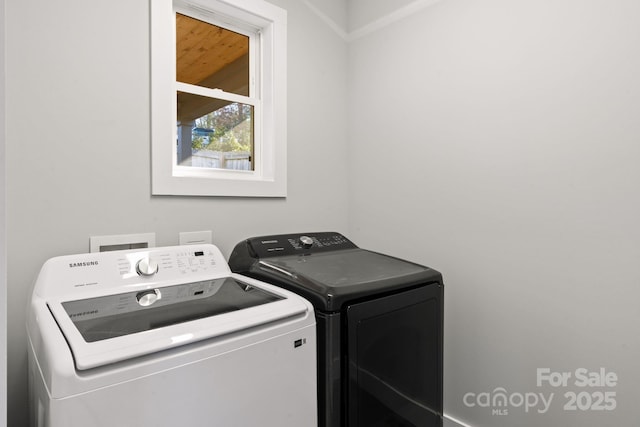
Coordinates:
457 422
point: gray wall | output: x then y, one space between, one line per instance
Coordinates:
78 144
3 252
496 141
499 142
362 13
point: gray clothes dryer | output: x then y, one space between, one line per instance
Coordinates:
379 326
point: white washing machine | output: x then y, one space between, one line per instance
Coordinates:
167 337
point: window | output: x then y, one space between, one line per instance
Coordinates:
216 130
218 88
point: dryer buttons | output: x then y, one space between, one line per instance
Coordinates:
306 241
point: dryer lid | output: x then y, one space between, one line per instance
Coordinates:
326 268
331 279
349 267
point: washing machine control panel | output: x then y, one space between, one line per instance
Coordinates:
303 243
180 261
152 267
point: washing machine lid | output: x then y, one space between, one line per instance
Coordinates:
111 328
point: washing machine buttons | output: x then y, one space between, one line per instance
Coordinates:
147 298
146 267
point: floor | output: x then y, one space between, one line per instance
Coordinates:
450 423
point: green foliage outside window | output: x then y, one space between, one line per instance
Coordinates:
231 129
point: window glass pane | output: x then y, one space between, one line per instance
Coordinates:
214 133
211 56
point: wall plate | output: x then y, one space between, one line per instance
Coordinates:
122 242
195 237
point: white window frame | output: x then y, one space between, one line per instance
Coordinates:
268 25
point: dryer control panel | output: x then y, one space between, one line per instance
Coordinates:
297 244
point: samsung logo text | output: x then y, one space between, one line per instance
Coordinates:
83 264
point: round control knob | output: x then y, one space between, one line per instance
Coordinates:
146 267
146 298
306 241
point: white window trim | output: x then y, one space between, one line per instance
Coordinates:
269 177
